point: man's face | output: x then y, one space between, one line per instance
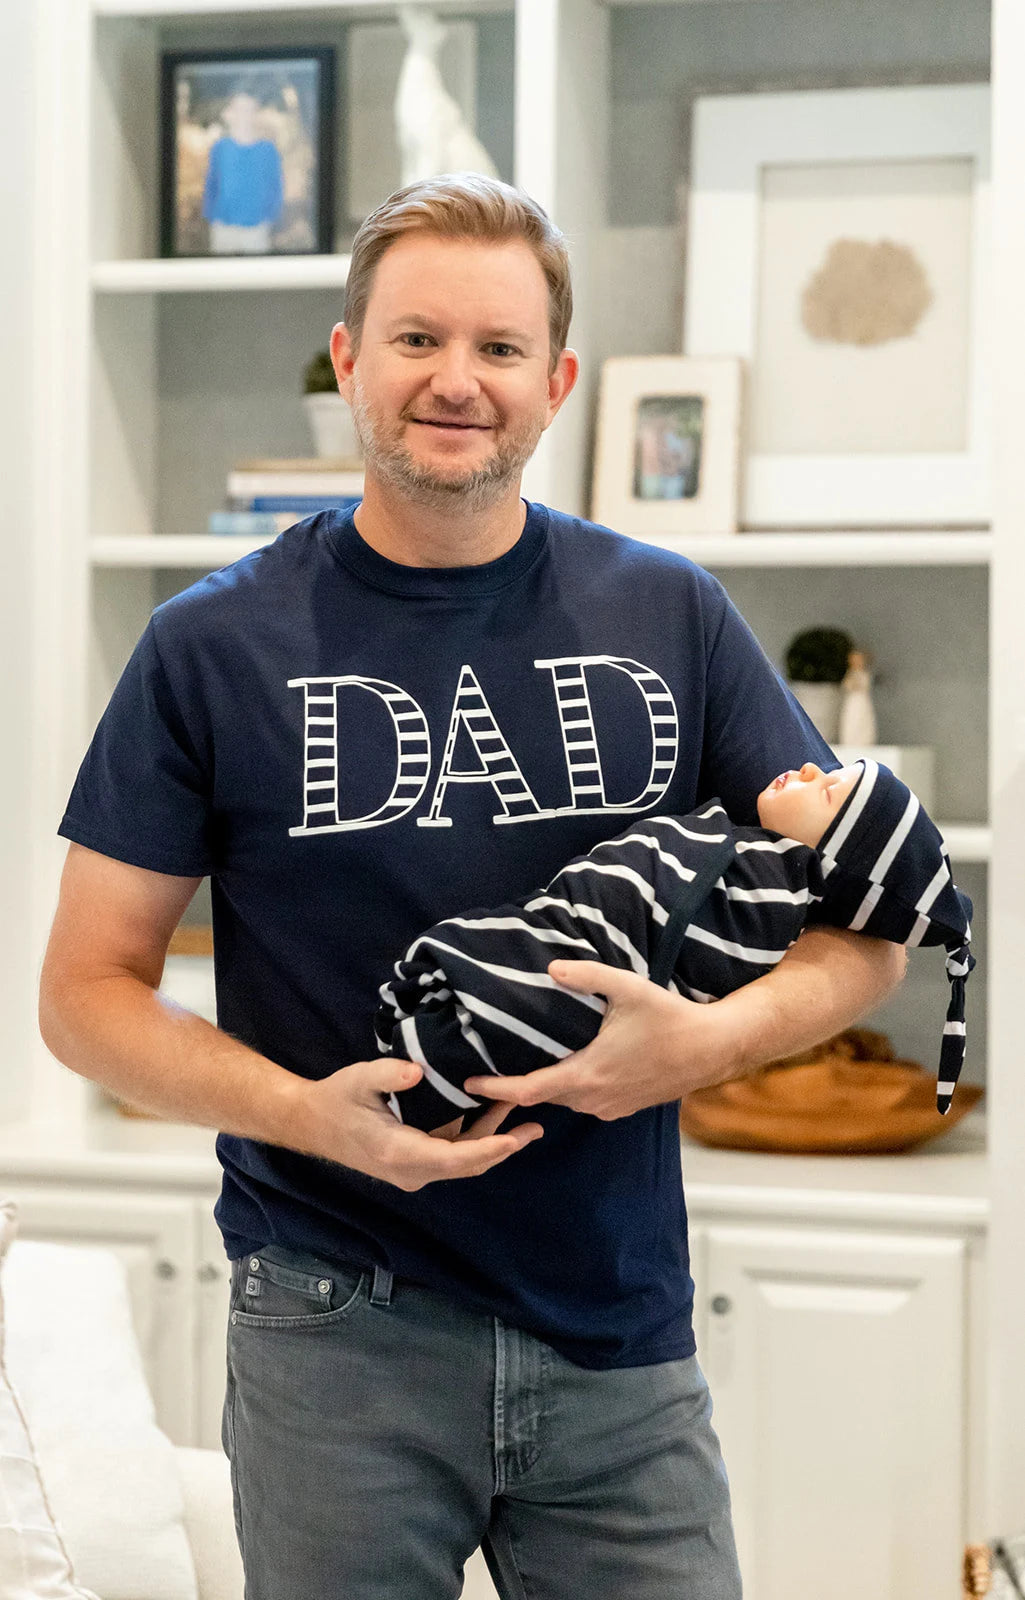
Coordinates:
451 389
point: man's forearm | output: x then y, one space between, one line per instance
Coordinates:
152 1053
825 982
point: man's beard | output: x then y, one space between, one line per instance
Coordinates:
472 489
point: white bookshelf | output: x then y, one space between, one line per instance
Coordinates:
226 276
839 548
104 537
205 552
253 8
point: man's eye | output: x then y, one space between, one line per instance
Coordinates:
500 349
412 338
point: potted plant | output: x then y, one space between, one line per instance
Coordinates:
330 416
816 664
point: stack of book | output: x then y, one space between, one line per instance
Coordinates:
266 497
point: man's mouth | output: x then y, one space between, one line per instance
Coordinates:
781 781
450 426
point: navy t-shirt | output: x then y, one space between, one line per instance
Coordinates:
354 749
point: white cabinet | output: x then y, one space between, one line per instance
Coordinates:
837 1365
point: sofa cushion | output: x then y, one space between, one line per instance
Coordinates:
110 1473
34 1561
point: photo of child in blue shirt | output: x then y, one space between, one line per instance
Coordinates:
243 192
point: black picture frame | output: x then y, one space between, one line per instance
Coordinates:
280 198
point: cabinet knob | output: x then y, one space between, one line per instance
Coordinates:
722 1305
208 1273
166 1269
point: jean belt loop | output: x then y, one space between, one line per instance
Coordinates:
380 1294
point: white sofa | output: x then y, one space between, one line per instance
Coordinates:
94 1498
95 1501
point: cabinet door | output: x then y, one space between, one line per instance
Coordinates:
213 1286
836 1363
155 1238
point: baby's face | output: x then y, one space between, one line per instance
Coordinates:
802 804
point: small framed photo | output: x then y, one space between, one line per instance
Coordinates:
668 446
247 152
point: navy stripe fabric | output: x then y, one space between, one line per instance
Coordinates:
473 994
888 875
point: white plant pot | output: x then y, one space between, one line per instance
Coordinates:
334 434
822 703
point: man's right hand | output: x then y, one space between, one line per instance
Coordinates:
344 1118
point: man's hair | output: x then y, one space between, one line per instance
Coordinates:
464 205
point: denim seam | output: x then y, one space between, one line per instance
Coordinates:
505 1536
499 1408
236 1491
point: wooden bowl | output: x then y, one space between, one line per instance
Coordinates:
832 1106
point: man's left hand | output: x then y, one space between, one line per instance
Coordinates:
652 1047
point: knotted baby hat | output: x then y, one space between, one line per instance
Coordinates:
887 874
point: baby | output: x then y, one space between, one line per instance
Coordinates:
693 903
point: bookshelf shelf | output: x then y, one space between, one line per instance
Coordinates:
207 274
205 552
245 8
967 841
928 547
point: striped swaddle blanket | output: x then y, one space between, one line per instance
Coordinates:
473 993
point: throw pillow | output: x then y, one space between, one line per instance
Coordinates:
34 1563
111 1474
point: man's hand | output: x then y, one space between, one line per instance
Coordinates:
344 1118
652 1047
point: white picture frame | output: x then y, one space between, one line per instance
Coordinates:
739 143
668 446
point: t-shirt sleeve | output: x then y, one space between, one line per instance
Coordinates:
754 728
142 794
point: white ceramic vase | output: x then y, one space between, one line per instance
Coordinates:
334 434
822 703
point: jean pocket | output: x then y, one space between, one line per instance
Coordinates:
272 1294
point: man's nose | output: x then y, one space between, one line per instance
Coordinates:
809 770
454 378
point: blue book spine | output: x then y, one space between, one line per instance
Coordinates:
303 504
248 524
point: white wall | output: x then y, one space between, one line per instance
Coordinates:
17 977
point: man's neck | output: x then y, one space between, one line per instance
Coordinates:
415 535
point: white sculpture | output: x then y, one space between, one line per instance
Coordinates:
432 133
857 713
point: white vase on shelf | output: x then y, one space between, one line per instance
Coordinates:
334 432
432 134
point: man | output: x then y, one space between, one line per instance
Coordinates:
378 721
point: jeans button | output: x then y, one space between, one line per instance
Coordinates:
254 1263
324 1286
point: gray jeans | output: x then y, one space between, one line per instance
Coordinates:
378 1432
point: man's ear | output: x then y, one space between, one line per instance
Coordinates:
342 358
561 381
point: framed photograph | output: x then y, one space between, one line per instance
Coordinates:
837 242
247 147
668 446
